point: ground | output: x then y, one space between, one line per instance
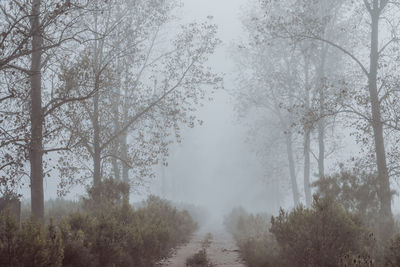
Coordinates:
221 252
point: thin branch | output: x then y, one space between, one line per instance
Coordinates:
364 69
148 108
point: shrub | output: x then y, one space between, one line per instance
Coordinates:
10 203
392 252
8 240
126 237
257 245
108 194
199 259
118 236
30 245
319 236
324 235
356 191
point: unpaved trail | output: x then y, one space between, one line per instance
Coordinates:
221 252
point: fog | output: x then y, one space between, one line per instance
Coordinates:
198 133
216 166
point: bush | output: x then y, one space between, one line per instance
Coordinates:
125 237
392 252
356 191
324 235
108 194
258 247
199 259
118 236
319 236
30 245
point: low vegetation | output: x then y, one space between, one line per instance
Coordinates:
335 231
200 258
117 236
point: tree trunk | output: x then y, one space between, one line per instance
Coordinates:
307 137
321 144
36 145
125 165
96 142
95 117
384 193
307 184
321 121
293 180
114 161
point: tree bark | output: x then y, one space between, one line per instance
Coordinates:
114 161
307 184
384 193
96 143
292 170
125 165
307 137
36 116
321 121
96 114
124 148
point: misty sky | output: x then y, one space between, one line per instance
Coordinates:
213 158
213 166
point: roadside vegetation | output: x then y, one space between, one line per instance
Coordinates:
338 230
111 234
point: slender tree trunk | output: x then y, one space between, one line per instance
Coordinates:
114 161
36 145
292 170
125 165
307 183
384 192
321 143
116 108
96 115
307 137
124 144
321 121
96 142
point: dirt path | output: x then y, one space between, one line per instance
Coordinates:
221 252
